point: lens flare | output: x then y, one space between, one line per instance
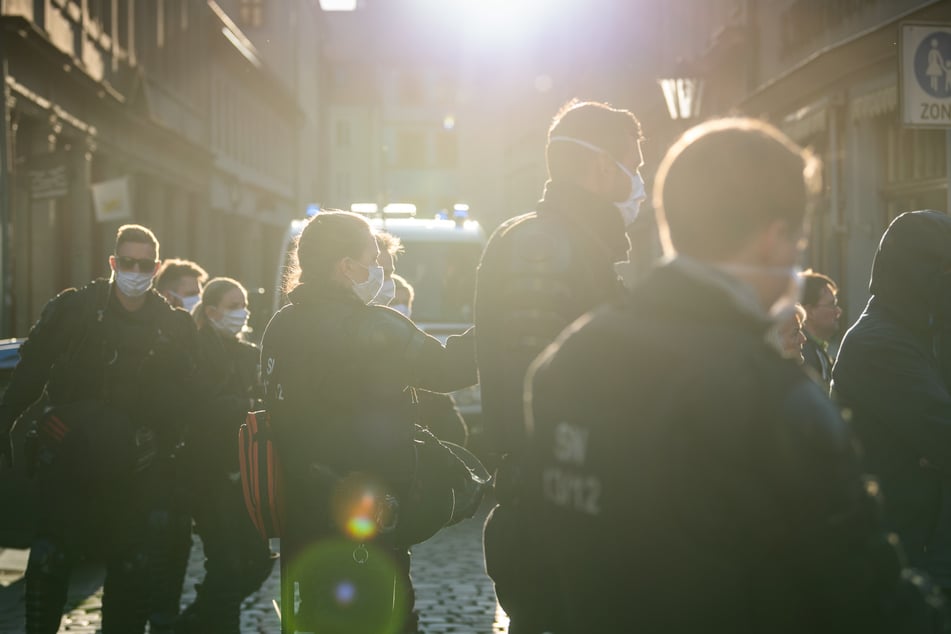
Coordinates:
337 594
361 527
345 593
359 501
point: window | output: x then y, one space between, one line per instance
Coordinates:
251 12
343 133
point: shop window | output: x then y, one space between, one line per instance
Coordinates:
915 155
411 150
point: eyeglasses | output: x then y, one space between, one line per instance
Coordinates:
144 265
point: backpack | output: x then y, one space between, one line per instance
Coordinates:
262 476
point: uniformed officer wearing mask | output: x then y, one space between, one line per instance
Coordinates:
237 560
116 363
682 477
180 282
539 272
336 371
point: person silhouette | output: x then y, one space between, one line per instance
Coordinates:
936 66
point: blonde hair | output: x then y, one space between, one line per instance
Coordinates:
212 294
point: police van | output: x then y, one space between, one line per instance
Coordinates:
440 256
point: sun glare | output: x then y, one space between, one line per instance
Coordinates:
338 5
494 22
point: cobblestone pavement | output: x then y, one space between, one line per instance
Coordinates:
453 594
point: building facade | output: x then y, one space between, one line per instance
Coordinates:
160 112
827 73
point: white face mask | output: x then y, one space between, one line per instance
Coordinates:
793 293
232 322
366 291
386 294
631 207
132 283
188 301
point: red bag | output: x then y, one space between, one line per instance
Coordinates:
262 476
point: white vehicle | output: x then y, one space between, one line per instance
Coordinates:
440 257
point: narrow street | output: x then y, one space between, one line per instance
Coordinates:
453 593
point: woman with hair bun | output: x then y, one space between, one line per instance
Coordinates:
339 373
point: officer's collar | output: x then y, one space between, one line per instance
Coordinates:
312 292
741 294
590 212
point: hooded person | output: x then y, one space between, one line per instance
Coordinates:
889 375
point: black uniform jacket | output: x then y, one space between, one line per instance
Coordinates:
888 375
336 375
230 379
86 346
539 273
686 478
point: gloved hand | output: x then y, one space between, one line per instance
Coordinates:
6 450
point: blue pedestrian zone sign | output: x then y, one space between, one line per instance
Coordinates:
925 75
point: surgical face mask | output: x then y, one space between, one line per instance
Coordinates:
366 291
188 301
386 294
790 296
631 207
232 322
403 309
132 283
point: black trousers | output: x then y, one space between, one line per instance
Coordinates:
237 559
526 593
121 522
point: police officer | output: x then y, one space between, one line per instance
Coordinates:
237 560
336 371
540 272
115 361
684 477
180 282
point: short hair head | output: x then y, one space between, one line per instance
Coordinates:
812 285
136 233
593 122
726 180
326 239
174 269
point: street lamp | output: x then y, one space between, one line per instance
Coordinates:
682 96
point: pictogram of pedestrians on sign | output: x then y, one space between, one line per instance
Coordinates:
925 75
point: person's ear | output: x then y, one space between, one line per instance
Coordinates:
342 268
112 262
